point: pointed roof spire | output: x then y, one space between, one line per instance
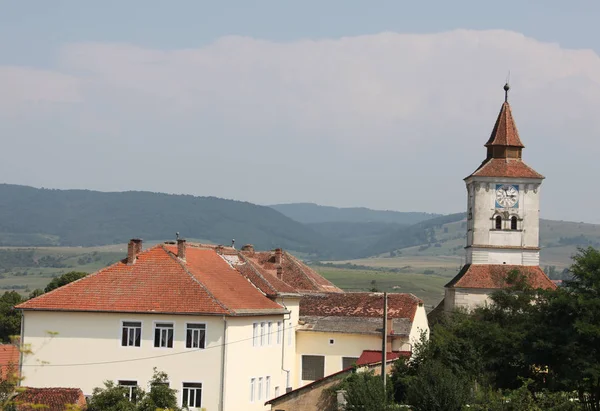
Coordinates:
505 131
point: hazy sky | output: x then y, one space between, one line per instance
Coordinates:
384 104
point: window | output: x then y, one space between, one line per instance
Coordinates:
195 336
192 395
252 388
131 335
498 222
331 341
276 391
513 222
260 387
269 330
279 332
255 334
348 362
313 367
131 389
267 387
163 335
262 333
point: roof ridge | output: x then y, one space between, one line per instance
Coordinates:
202 285
88 275
247 261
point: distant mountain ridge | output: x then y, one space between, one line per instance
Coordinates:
309 213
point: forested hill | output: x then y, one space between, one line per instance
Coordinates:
309 213
31 216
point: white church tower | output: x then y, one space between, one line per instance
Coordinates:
503 217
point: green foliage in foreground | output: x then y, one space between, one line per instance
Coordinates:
114 398
531 350
64 280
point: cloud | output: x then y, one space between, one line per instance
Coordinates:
387 120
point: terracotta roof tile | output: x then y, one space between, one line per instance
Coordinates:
371 356
505 167
49 399
505 131
359 305
494 276
10 357
159 282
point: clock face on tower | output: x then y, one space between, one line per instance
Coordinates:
507 195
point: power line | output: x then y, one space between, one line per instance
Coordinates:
149 357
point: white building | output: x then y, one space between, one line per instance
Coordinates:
222 323
503 209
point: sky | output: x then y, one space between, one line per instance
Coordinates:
381 104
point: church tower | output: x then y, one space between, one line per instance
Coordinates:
503 215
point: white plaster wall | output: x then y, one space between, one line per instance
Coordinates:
419 325
449 299
245 361
471 298
83 338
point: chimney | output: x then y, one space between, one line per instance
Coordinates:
279 272
278 254
181 249
219 249
134 247
248 248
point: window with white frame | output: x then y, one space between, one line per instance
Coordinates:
313 367
267 387
269 331
262 333
348 362
260 387
278 332
252 388
131 334
195 335
163 335
255 340
191 396
131 387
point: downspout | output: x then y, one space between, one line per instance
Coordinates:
287 375
21 345
223 359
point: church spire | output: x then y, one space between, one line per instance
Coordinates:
504 142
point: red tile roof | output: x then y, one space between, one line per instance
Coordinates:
10 358
372 356
159 282
494 276
505 131
505 167
48 399
296 276
359 305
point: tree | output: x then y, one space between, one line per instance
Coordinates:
364 391
160 397
111 397
64 280
10 319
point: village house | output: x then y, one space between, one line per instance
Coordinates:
224 324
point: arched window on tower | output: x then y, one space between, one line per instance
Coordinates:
513 222
498 220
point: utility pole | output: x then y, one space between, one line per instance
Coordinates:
384 341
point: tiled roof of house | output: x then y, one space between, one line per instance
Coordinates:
505 131
295 276
505 167
495 276
359 305
48 399
159 282
372 356
353 325
10 357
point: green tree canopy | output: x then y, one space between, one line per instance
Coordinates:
64 280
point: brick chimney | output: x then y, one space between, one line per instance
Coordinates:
279 272
248 248
134 247
278 254
181 249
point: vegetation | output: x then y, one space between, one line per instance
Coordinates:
530 350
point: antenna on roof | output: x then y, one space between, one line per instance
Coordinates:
177 235
233 243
